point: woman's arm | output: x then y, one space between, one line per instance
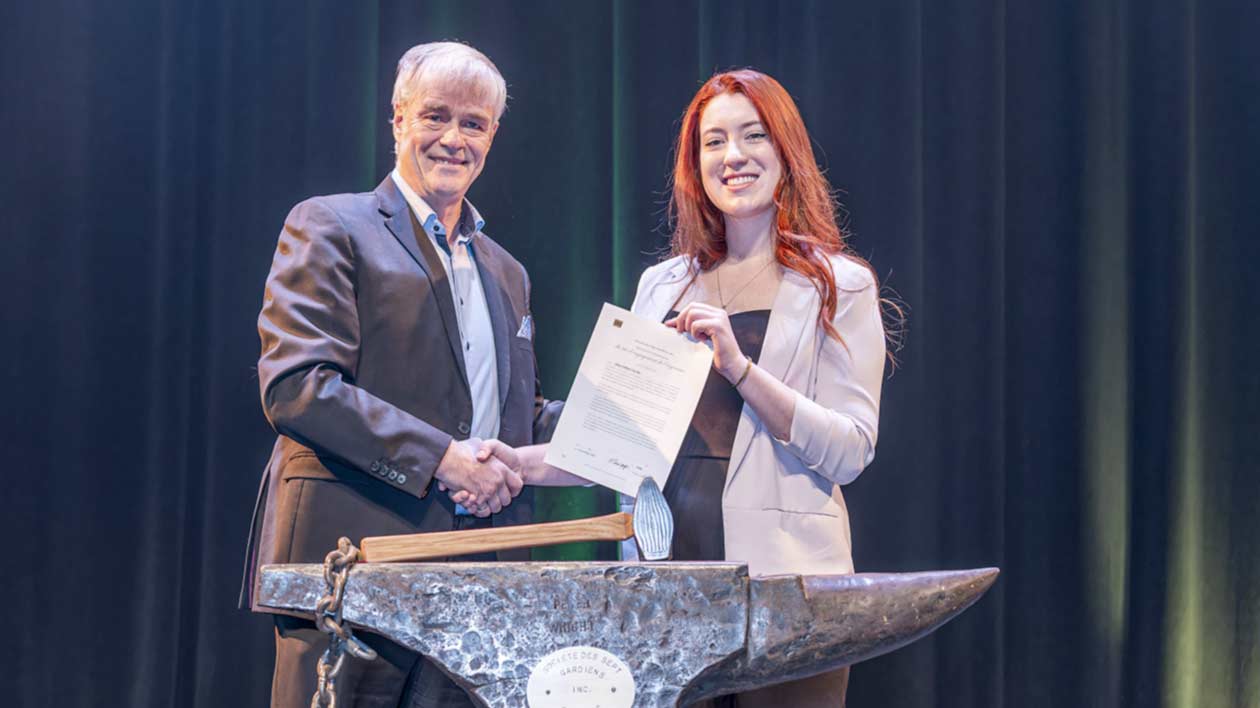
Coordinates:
834 433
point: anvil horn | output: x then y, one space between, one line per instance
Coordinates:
801 625
684 630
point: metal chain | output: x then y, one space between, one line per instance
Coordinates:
341 639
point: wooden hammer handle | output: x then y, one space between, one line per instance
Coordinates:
421 546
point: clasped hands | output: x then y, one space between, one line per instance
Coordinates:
483 476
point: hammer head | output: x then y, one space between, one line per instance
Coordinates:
653 522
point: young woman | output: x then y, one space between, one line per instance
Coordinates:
790 411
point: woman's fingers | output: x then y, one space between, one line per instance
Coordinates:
686 315
686 319
707 326
700 320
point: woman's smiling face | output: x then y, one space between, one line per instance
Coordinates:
739 166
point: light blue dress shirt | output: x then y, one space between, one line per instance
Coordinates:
473 315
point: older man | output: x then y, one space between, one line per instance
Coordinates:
395 335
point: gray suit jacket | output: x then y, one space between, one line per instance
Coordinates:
363 380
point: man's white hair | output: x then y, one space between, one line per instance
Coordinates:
450 65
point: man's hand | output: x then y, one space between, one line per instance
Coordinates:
483 487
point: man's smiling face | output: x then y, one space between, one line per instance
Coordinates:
443 138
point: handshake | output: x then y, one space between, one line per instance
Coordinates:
483 476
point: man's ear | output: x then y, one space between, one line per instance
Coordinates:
397 123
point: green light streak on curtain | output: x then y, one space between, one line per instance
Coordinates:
1192 664
580 217
1105 357
1106 465
1199 668
356 147
1210 647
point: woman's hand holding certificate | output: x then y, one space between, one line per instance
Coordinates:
710 323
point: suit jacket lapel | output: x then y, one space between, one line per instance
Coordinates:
492 282
789 317
401 222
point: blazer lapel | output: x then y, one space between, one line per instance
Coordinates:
492 282
790 316
401 222
665 293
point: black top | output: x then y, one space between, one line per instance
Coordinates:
694 488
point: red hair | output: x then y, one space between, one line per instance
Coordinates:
806 232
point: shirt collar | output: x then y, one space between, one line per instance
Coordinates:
428 218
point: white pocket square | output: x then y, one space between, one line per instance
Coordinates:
527 328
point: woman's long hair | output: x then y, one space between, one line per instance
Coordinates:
806 231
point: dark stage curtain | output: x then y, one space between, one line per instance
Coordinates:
1060 191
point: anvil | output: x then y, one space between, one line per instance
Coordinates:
686 631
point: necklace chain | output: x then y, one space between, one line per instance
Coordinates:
723 302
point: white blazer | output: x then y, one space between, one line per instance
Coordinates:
782 508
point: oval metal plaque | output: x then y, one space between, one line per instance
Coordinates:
580 677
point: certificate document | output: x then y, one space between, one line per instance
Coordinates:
631 403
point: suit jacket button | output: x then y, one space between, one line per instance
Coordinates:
463 428
376 465
393 474
402 479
